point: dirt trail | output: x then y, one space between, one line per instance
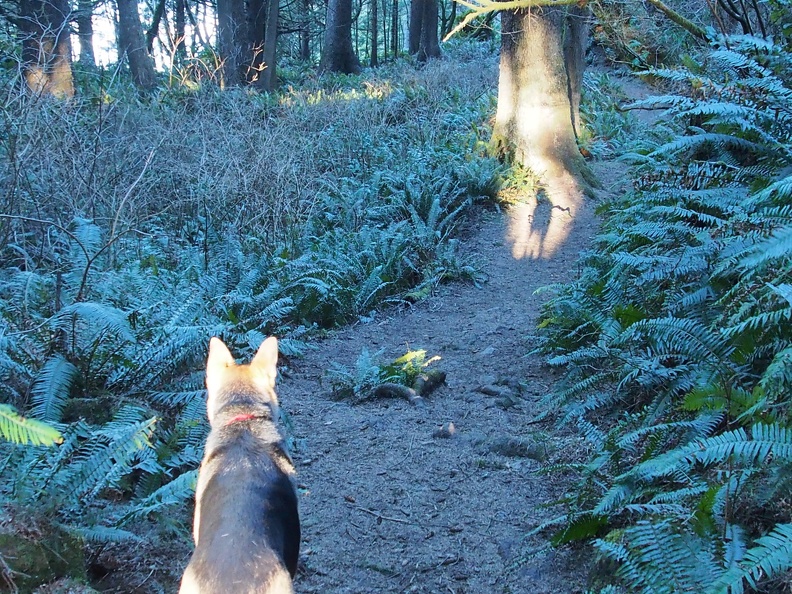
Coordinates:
386 505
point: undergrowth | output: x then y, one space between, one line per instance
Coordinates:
131 232
677 343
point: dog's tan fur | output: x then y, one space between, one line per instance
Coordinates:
246 526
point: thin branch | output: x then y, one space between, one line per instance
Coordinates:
481 7
680 20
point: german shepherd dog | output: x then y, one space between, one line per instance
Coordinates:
246 528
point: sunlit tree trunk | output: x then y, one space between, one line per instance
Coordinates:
538 93
539 90
46 48
84 19
132 43
338 54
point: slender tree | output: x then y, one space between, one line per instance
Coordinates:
132 44
43 26
305 31
395 29
338 55
374 33
84 19
268 78
180 28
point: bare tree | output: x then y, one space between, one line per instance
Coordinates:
338 55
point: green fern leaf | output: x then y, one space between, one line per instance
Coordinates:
51 388
19 430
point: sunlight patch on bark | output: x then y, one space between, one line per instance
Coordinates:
540 226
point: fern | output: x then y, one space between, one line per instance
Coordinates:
51 388
20 430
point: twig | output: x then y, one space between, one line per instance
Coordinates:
381 517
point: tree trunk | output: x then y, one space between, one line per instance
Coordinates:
535 119
416 19
374 33
269 79
534 127
395 29
232 40
46 47
181 31
84 20
257 11
305 32
429 46
337 52
156 19
132 44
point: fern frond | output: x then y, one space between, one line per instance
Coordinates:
51 388
19 430
770 557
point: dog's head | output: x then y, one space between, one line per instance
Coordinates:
229 383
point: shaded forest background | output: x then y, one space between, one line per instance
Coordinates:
247 169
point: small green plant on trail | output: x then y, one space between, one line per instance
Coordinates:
677 343
407 377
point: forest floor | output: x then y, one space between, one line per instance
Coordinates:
391 500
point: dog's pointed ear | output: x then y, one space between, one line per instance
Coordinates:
219 355
266 360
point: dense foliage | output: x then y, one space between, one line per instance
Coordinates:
132 232
678 345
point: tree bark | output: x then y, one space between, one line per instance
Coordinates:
181 30
395 29
429 46
416 25
232 40
84 19
305 32
338 54
156 19
132 44
374 33
46 47
536 117
269 79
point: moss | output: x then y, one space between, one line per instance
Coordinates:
40 557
